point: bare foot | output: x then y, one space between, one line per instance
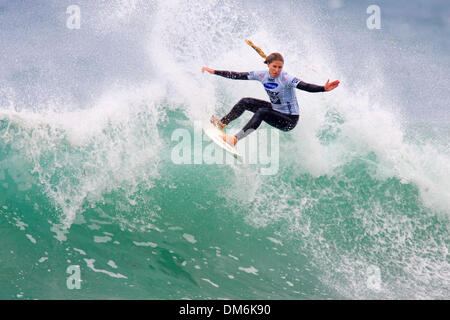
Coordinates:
231 140
216 121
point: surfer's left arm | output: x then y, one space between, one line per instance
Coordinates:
227 74
315 88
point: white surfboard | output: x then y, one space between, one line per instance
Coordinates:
215 134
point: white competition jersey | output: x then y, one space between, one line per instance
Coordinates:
281 90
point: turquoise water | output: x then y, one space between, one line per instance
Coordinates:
357 207
211 231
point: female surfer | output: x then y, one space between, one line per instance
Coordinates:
281 112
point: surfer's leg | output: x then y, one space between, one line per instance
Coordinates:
276 119
282 121
249 104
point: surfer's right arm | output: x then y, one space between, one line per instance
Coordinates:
227 74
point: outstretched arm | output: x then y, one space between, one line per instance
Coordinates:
310 87
315 88
227 74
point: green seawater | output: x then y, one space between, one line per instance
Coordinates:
142 227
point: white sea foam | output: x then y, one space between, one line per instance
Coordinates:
100 239
145 244
90 264
190 238
98 138
30 237
251 270
210 282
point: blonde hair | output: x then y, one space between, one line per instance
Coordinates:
268 58
257 49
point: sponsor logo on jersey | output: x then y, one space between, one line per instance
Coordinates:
274 98
270 85
295 81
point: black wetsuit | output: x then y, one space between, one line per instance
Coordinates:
285 118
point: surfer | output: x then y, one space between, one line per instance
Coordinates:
281 112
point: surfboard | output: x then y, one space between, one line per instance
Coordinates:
215 134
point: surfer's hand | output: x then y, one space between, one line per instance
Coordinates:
330 86
207 69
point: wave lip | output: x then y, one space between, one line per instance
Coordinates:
78 156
